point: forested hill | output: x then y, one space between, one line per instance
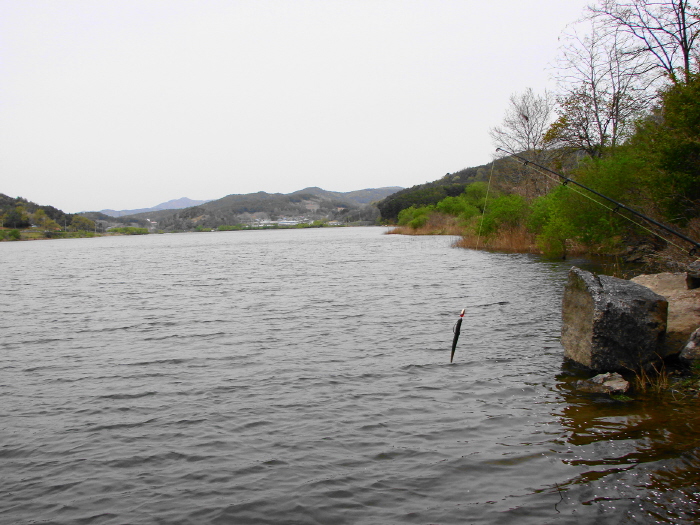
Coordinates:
358 196
309 203
429 193
18 212
507 174
20 218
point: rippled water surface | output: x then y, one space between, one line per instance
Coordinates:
303 377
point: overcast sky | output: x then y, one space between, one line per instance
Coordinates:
124 104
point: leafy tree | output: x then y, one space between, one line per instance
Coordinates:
44 222
415 217
505 211
670 142
80 223
476 194
457 206
17 218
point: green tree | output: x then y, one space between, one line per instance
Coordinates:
44 222
671 143
505 211
80 223
17 218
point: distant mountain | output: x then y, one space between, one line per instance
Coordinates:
307 204
175 204
358 196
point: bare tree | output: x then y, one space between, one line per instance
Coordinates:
602 90
525 123
665 31
523 131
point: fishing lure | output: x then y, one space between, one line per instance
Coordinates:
456 330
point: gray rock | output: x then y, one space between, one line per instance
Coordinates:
611 324
691 351
610 383
692 276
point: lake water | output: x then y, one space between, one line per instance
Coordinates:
303 377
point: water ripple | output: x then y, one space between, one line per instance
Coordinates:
303 377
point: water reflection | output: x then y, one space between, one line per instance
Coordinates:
634 458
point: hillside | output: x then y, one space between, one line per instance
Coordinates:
450 185
358 196
9 203
307 204
506 174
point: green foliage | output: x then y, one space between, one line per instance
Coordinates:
505 211
550 219
231 227
80 223
415 217
7 204
129 230
669 144
477 193
14 235
43 221
17 218
657 170
417 196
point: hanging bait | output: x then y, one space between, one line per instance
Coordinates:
456 330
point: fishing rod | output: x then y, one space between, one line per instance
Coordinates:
617 204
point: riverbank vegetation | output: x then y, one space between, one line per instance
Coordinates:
624 121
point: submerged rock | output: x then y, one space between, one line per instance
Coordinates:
611 324
683 307
610 383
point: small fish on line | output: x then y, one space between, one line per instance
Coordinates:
456 330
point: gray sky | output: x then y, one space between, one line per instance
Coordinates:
128 103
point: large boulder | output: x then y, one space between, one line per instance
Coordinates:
611 324
683 307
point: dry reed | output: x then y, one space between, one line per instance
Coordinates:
654 379
437 224
513 240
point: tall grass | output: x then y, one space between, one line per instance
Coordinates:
436 224
515 239
654 379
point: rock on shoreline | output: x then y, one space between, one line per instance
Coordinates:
611 324
683 307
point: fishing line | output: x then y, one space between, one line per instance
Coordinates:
617 204
613 210
483 213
